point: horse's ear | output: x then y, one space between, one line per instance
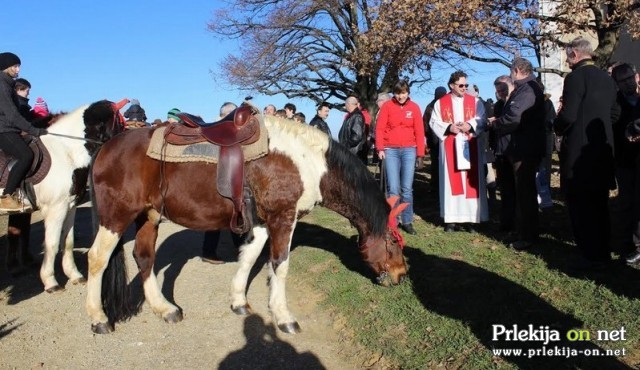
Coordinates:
392 200
397 209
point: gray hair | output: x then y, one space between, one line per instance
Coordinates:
227 108
580 46
523 65
352 100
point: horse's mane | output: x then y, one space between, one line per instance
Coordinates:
362 185
311 137
69 123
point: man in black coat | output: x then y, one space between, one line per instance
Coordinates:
522 123
352 132
584 121
625 210
319 121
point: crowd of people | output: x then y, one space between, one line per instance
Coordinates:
476 148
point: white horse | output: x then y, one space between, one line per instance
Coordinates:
72 141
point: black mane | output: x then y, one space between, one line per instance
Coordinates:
362 188
101 123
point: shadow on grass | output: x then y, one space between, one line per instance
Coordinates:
476 297
480 299
555 246
346 249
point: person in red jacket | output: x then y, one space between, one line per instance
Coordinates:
400 142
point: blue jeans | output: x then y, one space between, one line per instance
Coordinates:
399 165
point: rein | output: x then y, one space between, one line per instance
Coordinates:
77 138
117 119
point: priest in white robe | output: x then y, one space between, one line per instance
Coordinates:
457 120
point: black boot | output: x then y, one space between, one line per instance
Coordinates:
449 228
408 228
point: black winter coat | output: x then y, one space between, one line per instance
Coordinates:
585 124
520 129
320 124
10 118
626 153
351 133
135 113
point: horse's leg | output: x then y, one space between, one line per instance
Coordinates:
54 216
281 231
18 237
99 255
68 262
144 253
249 253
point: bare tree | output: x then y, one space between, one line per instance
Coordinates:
495 31
306 48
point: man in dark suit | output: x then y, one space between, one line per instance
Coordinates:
584 121
522 122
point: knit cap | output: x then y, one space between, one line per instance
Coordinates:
173 113
41 109
8 60
135 102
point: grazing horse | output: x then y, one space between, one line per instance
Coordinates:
72 141
303 168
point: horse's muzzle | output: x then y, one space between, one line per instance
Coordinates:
385 279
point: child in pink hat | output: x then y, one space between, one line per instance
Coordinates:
40 110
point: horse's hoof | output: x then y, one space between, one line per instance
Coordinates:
101 328
81 281
290 328
242 310
173 317
55 289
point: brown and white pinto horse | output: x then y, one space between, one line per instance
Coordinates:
72 141
303 168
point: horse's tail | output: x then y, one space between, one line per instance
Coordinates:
115 290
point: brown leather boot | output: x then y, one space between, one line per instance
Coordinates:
11 203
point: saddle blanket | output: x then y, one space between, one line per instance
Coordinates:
204 151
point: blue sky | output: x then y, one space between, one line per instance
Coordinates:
159 52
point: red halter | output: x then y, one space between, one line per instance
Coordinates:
392 223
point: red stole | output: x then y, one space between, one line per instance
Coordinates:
455 176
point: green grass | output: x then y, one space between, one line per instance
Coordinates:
459 286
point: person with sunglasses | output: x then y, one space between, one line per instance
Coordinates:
457 120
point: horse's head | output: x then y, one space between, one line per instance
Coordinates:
384 255
102 121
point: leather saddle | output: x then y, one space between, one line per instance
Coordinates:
240 127
37 172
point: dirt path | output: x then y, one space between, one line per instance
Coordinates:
39 330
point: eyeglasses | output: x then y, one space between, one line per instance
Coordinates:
463 85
